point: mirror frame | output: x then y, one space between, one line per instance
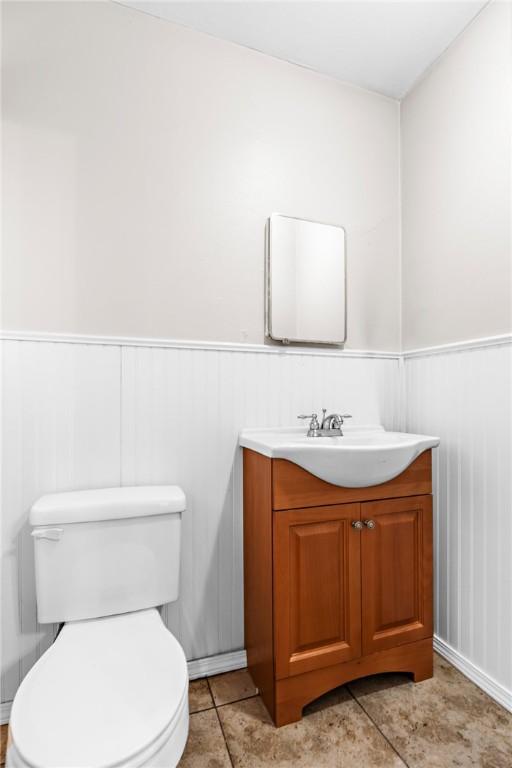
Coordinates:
268 284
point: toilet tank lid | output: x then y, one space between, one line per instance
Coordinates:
107 504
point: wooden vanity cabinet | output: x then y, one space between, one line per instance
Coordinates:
338 581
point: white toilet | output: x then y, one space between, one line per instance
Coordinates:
113 688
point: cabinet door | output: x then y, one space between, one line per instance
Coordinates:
317 588
396 559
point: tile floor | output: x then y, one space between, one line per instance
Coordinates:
383 721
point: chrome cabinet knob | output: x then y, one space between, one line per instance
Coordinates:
369 523
357 524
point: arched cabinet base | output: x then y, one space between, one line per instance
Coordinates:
294 693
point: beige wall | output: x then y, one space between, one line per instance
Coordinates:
456 189
141 160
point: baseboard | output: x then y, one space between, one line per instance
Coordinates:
490 686
5 712
215 665
211 665
227 662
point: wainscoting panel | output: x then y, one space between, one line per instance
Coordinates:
465 397
85 415
182 411
61 431
79 415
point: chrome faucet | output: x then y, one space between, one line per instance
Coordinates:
330 427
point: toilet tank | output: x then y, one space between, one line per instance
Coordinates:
108 551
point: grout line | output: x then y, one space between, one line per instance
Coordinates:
237 701
214 707
395 750
211 691
224 737
217 707
234 701
203 709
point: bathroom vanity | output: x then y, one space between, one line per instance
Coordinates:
338 579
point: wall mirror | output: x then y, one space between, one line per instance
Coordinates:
306 281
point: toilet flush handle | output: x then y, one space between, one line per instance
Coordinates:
53 534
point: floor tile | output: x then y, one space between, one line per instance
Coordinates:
206 747
334 733
3 742
232 686
441 722
199 696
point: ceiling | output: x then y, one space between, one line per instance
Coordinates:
380 45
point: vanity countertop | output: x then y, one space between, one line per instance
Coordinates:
364 455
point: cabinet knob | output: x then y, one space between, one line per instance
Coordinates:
357 524
369 523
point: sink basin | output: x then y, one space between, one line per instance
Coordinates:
363 456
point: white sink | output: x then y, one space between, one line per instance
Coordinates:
363 456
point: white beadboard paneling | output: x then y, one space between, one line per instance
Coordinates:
61 431
465 397
182 411
182 406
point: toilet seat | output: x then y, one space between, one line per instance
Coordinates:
109 693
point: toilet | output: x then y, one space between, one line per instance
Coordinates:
112 690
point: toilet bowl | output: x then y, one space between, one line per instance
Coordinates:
112 690
109 692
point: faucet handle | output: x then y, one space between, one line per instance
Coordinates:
314 426
314 420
